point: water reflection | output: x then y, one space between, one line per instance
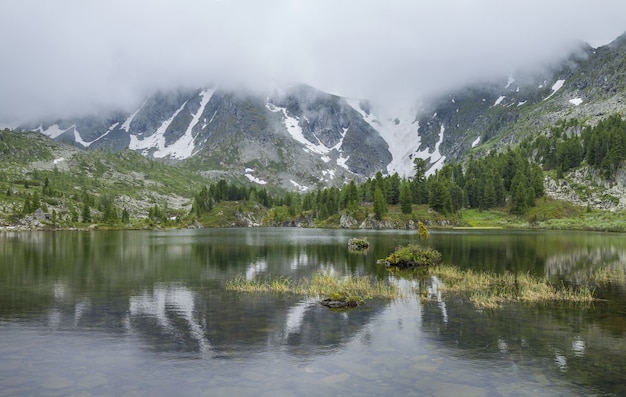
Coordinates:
435 294
172 307
552 342
552 254
161 296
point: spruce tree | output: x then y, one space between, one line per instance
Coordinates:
380 204
86 213
519 199
125 216
392 189
406 199
440 198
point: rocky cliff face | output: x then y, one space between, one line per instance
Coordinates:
585 187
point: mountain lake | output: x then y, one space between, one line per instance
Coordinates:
147 313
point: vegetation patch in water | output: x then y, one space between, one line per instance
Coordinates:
358 243
490 290
483 289
412 256
604 276
352 290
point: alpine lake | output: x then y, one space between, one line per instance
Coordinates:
147 313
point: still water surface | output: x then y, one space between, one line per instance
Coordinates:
146 313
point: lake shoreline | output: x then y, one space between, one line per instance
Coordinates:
97 227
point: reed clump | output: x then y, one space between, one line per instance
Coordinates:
607 276
321 284
490 290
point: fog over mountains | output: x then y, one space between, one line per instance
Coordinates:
297 136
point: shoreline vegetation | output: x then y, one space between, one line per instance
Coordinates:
547 215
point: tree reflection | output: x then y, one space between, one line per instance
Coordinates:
567 340
167 290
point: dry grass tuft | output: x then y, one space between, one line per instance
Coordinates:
490 290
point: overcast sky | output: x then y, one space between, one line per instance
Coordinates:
71 56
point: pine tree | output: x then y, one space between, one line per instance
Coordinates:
46 190
73 212
392 188
380 204
519 199
440 198
406 199
419 165
456 197
86 213
350 197
27 208
35 202
125 216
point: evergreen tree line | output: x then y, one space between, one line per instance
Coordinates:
569 145
497 180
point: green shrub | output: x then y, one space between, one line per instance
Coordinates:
358 243
412 256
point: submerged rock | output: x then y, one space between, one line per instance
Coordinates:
339 303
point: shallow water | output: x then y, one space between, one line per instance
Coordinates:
146 313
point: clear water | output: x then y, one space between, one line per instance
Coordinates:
146 313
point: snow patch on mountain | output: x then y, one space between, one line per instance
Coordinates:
156 140
52 131
341 161
400 133
576 101
184 146
328 175
476 142
435 158
205 123
510 81
301 188
256 180
126 125
252 178
499 100
555 87
295 130
79 139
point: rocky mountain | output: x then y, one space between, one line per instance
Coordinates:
298 137
589 84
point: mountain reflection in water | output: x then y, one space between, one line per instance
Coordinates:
147 313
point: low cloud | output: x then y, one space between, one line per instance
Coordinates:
69 56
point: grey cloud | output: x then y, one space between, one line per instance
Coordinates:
72 56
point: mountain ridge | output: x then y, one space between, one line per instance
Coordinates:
298 137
